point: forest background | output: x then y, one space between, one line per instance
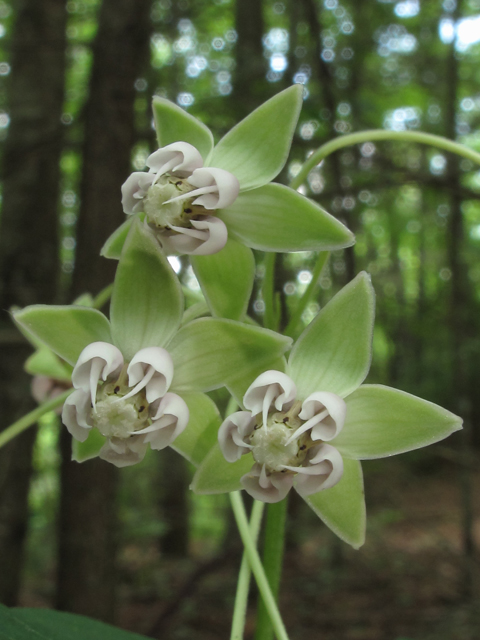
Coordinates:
134 546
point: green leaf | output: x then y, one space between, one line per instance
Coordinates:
82 451
381 422
45 624
173 124
45 363
334 352
216 475
342 508
208 352
201 432
277 218
113 246
256 149
67 330
197 310
226 279
238 385
147 299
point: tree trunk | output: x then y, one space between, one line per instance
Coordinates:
28 245
87 521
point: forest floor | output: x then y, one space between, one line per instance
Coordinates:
408 582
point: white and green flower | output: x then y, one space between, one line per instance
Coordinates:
310 425
139 378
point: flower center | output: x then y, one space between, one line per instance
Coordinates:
115 417
271 446
176 214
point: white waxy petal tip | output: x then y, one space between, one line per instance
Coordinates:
169 420
150 368
97 361
232 435
325 413
270 387
208 236
76 414
323 470
134 189
267 488
179 158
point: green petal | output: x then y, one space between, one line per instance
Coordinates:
147 299
45 363
208 352
216 475
173 124
114 245
226 279
256 149
381 422
67 330
334 352
238 385
342 508
277 218
201 432
82 451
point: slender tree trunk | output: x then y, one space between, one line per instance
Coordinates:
87 521
28 245
174 480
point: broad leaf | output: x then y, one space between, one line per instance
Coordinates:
114 245
45 363
381 422
201 432
334 352
226 279
45 624
216 475
208 352
173 124
67 330
277 218
342 508
256 149
82 451
147 299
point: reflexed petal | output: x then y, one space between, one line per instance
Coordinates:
209 236
277 218
134 189
45 363
342 508
98 360
67 330
123 453
267 488
270 387
324 470
325 427
113 246
382 422
169 420
232 434
147 300
216 475
178 158
200 434
76 414
226 279
90 448
334 352
256 149
174 124
226 184
151 367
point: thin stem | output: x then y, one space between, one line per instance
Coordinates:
256 565
103 297
26 421
381 134
307 296
273 548
243 585
269 318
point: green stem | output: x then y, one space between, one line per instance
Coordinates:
26 421
381 134
273 548
307 296
256 565
269 318
103 297
243 585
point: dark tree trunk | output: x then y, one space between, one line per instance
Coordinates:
174 481
87 522
28 245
